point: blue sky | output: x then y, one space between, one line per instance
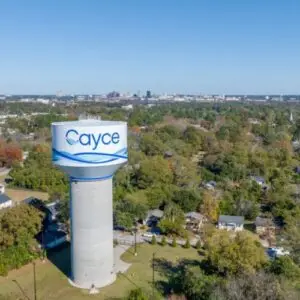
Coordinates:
95 46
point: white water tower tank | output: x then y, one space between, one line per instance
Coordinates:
90 151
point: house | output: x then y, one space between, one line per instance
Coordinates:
260 181
168 154
194 221
210 185
235 223
265 227
153 216
5 201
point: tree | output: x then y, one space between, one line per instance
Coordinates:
18 227
187 199
257 286
159 194
174 242
193 136
151 145
187 244
154 170
64 212
210 207
232 254
172 221
192 282
123 219
137 294
284 266
153 240
198 245
185 172
163 241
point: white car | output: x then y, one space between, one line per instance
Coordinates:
149 234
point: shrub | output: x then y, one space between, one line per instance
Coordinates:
174 243
198 245
187 244
163 241
153 240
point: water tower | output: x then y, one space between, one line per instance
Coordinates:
90 151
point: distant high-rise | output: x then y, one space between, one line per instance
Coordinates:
148 94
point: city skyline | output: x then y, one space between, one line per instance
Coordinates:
194 47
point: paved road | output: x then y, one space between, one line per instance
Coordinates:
127 238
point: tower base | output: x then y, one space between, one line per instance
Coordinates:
86 287
92 252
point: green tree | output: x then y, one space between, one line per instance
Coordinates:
193 282
163 241
153 240
187 244
285 266
137 294
230 254
154 170
187 199
151 145
198 245
174 242
173 220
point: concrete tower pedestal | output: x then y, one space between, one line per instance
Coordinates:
91 233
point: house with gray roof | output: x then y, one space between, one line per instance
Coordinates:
234 223
153 216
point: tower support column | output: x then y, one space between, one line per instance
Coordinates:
92 258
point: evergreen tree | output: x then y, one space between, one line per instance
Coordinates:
153 240
163 241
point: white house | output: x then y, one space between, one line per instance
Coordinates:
235 223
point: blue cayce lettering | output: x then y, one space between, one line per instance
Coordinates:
90 139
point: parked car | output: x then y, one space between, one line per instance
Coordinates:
149 234
277 252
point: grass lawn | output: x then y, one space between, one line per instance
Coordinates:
53 284
21 194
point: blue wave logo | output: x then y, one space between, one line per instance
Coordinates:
90 157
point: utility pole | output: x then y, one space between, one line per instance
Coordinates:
34 281
135 247
153 274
